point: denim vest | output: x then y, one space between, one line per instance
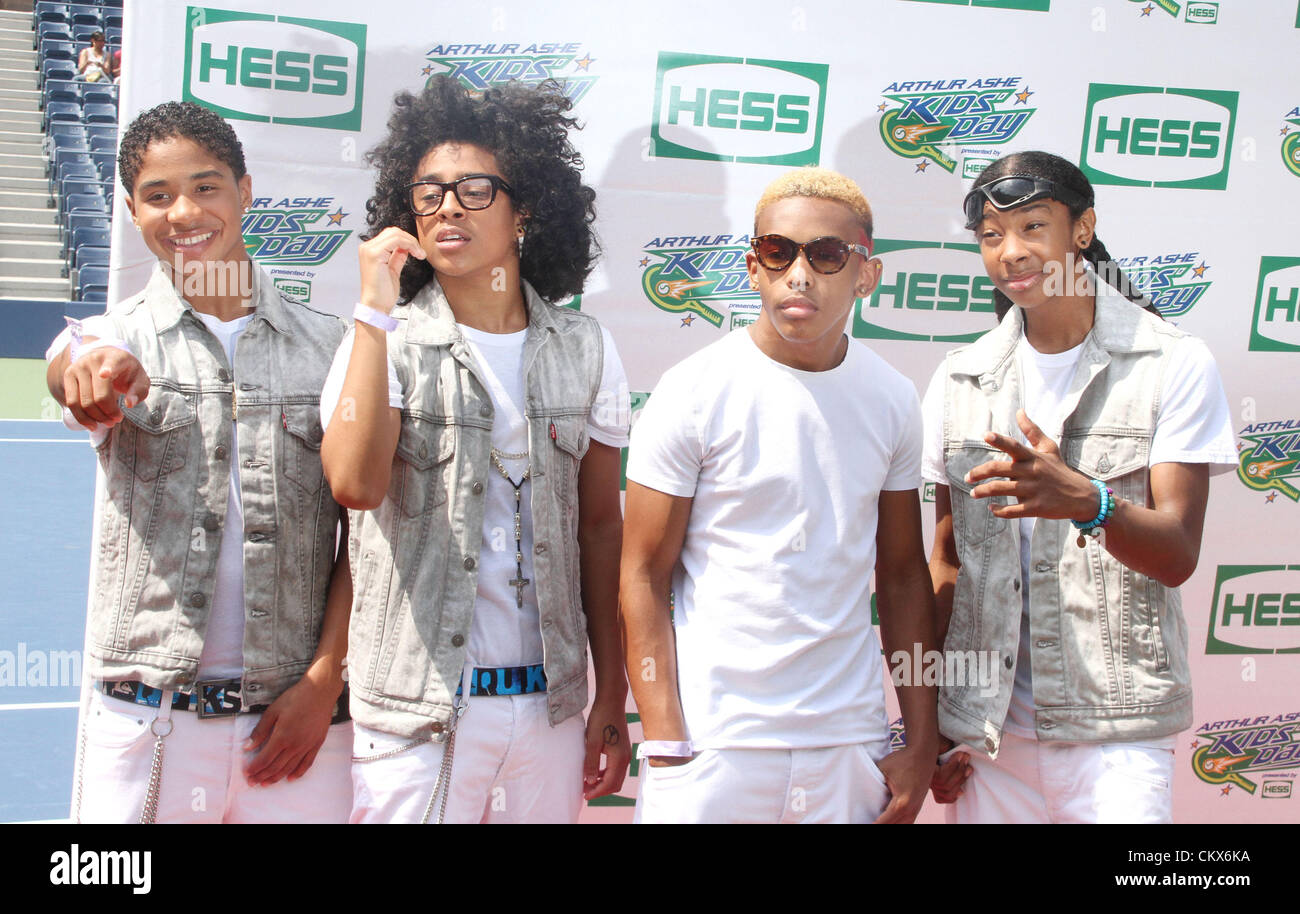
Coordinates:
1108 645
414 558
166 470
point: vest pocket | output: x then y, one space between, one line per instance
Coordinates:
300 443
571 443
421 464
973 521
1118 458
160 427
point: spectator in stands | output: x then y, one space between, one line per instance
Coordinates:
218 621
94 64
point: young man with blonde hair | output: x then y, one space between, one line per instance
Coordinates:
769 473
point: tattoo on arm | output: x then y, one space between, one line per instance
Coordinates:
611 735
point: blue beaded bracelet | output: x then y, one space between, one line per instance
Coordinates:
1104 512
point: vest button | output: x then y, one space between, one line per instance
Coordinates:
485 410
437 727
469 563
210 523
155 415
223 376
1015 585
990 744
1007 662
424 450
197 600
1043 566
220 452
478 488
457 640
539 548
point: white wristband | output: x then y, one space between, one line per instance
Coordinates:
368 315
80 349
665 748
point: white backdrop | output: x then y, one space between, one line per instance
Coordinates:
690 109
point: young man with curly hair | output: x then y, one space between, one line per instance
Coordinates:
475 429
769 473
218 616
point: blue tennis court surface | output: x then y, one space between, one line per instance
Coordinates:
47 487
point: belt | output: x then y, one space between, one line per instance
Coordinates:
506 680
212 698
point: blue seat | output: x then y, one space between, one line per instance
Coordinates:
93 203
61 111
61 90
80 220
97 233
57 69
84 171
90 255
113 33
93 113
99 94
58 49
104 130
106 162
70 153
92 279
50 12
86 15
103 143
55 30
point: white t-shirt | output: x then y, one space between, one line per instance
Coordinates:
1193 426
775 647
502 633
223 643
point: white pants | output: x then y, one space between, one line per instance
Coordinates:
202 770
833 784
1033 782
509 765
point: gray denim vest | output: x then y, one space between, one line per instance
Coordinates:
415 557
167 479
1108 645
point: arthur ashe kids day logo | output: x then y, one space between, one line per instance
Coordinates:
1270 457
1242 753
276 69
928 291
737 109
291 237
1291 137
1147 136
1256 610
935 120
1174 282
481 66
703 276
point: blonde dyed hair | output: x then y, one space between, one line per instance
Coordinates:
822 184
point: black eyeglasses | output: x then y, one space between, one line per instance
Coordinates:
825 255
1016 190
473 191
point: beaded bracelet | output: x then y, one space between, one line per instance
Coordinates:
1104 512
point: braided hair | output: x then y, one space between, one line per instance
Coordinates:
1063 173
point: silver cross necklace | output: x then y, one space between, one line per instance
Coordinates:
520 582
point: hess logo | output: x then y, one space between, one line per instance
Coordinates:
927 291
1153 137
252 66
1277 306
735 110
1256 610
